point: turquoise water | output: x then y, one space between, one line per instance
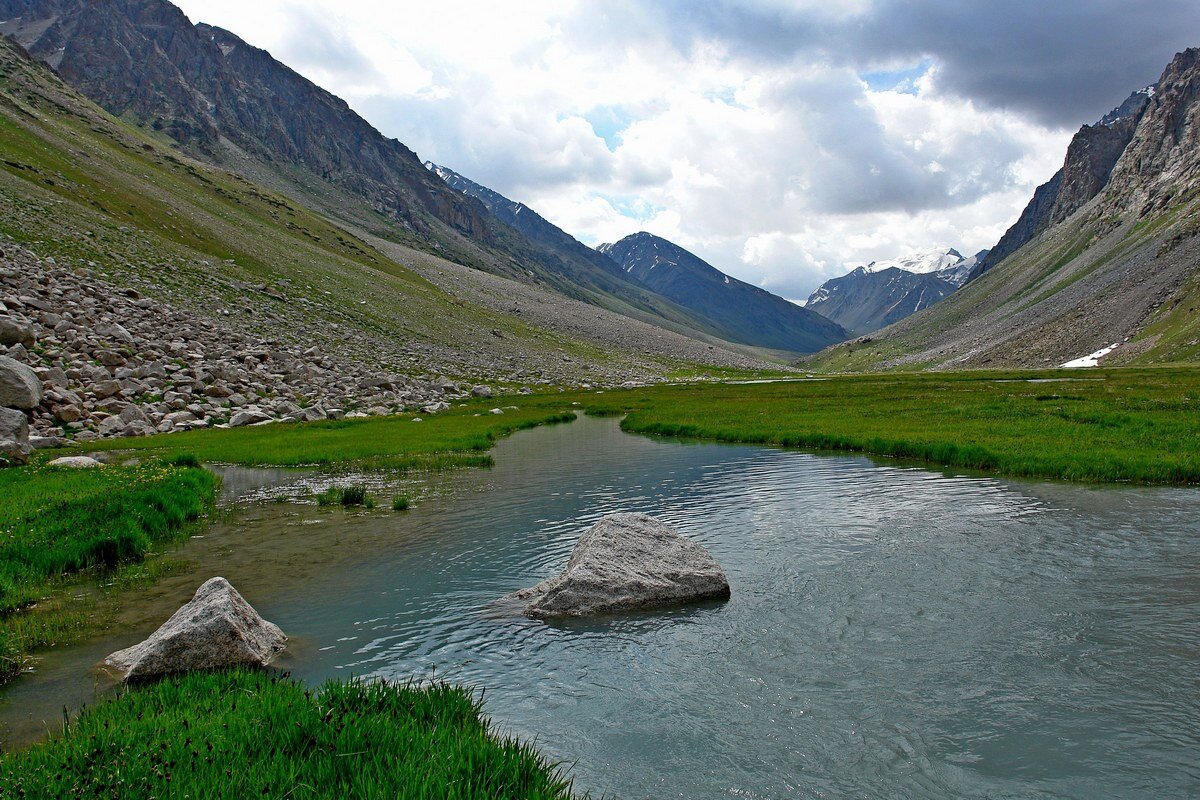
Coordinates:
893 632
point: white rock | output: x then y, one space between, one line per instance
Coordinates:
626 562
75 462
217 629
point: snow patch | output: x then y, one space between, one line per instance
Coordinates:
1092 360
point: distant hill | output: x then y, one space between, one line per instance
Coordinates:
745 313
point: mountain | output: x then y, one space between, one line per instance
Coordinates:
865 300
745 313
1106 255
883 292
582 264
234 106
264 276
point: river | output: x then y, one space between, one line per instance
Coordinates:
894 631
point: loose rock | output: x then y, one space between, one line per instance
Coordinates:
19 385
75 462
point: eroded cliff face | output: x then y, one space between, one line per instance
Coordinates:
1086 170
1161 163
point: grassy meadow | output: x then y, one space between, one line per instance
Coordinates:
1128 425
250 734
62 528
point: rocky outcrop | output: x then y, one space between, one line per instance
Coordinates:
626 562
112 363
215 630
1162 161
1090 161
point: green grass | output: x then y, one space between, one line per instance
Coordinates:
450 439
58 525
401 503
1140 426
347 496
247 734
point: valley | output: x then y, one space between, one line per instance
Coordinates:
246 333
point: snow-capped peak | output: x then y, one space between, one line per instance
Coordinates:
921 263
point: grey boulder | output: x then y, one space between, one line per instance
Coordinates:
14 437
14 332
626 562
217 629
20 386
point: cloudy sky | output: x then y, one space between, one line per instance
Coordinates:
785 142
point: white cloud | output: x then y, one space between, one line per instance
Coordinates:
783 171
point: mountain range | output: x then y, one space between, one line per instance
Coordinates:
713 301
744 313
1104 257
236 165
232 105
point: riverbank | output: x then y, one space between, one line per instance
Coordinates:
1090 426
70 537
252 734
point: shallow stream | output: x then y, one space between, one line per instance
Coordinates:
893 631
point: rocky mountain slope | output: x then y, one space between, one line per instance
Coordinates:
741 312
1108 253
677 305
1090 159
103 226
233 105
584 264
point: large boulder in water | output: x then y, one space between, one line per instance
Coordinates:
627 562
217 629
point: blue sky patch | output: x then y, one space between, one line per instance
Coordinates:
896 80
608 122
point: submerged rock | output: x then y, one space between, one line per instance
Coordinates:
627 562
217 629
